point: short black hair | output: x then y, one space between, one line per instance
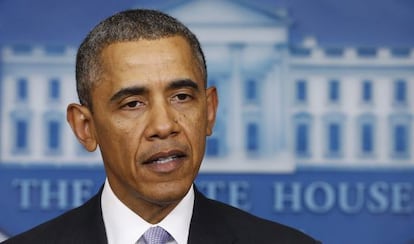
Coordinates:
129 25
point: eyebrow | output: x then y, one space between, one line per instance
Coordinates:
129 91
140 90
183 83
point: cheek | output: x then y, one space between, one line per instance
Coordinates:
195 122
119 145
116 135
195 125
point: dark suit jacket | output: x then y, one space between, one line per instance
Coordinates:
212 222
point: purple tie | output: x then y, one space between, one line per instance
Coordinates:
156 235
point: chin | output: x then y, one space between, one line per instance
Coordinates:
171 193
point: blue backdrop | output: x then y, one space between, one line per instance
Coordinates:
324 101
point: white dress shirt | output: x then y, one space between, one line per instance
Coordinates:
123 226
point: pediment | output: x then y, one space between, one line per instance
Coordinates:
224 12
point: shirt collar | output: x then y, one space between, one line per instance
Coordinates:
177 223
124 226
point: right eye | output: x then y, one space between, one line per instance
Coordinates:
133 105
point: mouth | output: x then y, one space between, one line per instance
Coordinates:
164 159
164 162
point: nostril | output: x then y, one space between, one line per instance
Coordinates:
162 121
162 128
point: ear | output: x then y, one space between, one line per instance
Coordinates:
80 119
212 104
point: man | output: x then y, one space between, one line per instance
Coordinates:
141 80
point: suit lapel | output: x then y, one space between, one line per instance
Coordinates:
207 225
93 228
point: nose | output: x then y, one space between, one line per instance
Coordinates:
162 122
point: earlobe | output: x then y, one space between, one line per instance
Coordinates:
212 104
80 120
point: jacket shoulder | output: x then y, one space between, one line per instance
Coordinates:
246 227
83 224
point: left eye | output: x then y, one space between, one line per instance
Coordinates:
181 97
132 105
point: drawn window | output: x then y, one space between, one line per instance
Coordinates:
213 146
252 137
367 91
334 134
400 139
54 89
216 142
367 138
302 139
53 135
22 93
53 132
400 92
366 135
301 91
302 135
251 91
22 131
334 91
20 128
400 136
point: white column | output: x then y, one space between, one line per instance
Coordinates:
281 91
280 151
237 134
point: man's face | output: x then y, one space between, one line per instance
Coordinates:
151 115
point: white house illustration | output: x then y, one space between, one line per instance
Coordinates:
282 106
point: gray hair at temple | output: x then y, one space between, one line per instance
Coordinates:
129 25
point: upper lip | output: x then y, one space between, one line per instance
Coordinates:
166 154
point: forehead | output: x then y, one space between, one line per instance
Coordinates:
146 63
147 51
150 60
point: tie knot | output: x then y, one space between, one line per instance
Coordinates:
157 235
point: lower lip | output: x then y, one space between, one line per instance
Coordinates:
166 167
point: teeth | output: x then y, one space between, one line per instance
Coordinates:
165 160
